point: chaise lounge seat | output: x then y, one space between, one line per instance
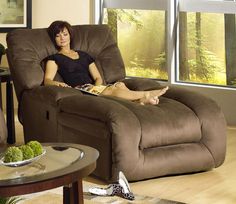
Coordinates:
184 133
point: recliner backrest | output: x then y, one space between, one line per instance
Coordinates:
27 48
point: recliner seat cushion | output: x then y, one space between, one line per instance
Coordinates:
168 123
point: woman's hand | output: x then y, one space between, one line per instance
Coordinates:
61 84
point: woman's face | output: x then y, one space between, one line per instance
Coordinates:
63 38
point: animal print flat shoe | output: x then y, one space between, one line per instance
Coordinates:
121 189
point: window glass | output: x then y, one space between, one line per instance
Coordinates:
207 48
140 35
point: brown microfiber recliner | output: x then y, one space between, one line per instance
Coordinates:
185 133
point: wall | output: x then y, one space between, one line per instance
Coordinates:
45 11
73 11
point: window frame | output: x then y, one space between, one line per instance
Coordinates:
209 6
142 5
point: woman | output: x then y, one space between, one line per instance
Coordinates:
78 68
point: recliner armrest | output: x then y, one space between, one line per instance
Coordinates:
140 84
120 121
51 94
46 95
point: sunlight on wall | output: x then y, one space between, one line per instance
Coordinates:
73 11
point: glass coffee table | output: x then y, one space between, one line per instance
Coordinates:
63 164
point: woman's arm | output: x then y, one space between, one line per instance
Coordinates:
51 70
93 70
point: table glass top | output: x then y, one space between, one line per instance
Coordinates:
55 158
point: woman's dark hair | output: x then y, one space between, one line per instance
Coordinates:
57 27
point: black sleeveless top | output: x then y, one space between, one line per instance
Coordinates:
74 71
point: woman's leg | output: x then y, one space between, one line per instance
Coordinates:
144 97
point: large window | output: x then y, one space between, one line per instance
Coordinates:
140 30
141 38
182 41
207 43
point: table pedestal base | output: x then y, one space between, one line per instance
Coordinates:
73 194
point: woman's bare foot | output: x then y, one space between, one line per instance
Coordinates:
151 97
153 100
148 99
158 92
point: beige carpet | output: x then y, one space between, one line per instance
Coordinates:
55 197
